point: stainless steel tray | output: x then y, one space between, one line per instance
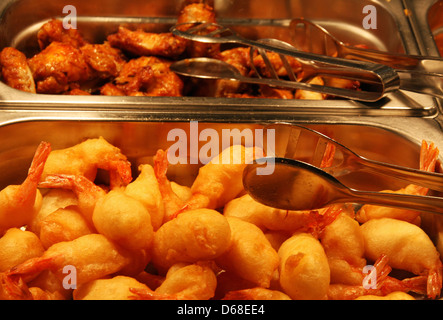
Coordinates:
426 17
99 18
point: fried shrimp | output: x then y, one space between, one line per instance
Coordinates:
344 246
250 255
407 247
85 190
115 288
257 293
93 256
183 282
428 158
17 246
145 188
195 235
85 158
124 220
217 182
304 269
19 203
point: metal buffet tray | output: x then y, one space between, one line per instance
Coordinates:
389 130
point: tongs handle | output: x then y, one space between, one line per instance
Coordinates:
420 203
384 77
422 74
431 180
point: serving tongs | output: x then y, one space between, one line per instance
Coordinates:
378 79
297 185
422 74
297 142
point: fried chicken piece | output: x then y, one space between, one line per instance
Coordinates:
57 67
198 12
106 61
110 89
142 43
15 70
149 76
53 30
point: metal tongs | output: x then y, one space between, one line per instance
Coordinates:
301 143
297 182
377 79
422 74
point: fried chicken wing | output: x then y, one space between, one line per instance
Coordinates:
15 70
149 76
53 30
142 43
57 67
105 60
198 12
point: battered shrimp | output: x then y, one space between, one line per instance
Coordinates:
19 203
428 158
200 234
14 288
17 246
268 218
383 286
397 295
304 269
85 158
217 182
124 220
141 43
52 201
183 282
149 76
115 288
344 246
250 255
145 188
408 248
86 191
63 225
257 293
92 256
15 70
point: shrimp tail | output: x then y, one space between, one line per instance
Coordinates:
173 204
383 269
13 288
120 173
428 156
428 159
434 282
328 156
31 267
78 184
35 172
317 221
